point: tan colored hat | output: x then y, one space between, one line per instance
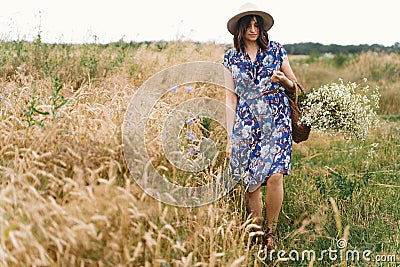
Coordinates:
250 9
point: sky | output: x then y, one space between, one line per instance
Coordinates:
343 22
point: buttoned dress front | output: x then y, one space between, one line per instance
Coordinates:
262 133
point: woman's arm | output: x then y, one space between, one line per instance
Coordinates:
286 76
287 70
231 105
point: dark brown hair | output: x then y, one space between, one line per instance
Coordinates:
243 23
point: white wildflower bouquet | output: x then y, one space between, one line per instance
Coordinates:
347 108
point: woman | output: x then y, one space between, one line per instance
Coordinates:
260 143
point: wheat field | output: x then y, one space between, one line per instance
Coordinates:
68 198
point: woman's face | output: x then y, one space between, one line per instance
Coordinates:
252 32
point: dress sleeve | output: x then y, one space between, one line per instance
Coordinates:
282 53
227 59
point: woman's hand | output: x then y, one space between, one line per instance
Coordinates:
279 76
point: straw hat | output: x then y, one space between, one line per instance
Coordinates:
250 9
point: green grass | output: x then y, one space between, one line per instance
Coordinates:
365 185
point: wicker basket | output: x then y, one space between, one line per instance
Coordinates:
300 132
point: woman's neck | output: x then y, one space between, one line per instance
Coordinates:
251 49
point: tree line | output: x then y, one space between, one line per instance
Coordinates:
318 48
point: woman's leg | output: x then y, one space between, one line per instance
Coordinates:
254 205
273 199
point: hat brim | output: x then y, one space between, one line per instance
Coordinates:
233 22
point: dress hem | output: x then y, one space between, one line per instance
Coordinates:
264 182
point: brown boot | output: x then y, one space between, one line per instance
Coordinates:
269 239
256 233
256 240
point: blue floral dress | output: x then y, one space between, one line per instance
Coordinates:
262 132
